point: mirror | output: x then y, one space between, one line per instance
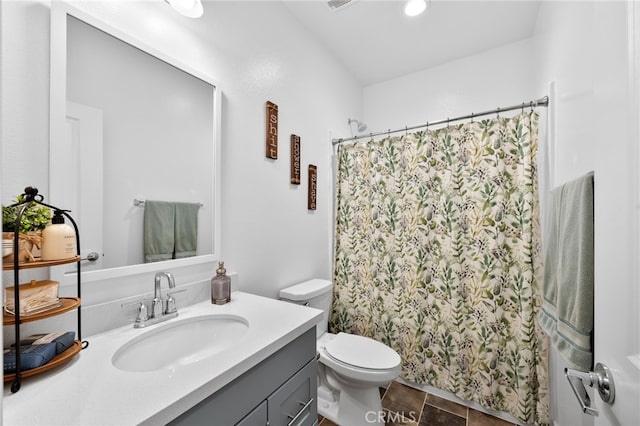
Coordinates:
128 124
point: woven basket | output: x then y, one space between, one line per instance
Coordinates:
28 247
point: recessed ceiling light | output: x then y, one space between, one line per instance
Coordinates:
188 8
415 7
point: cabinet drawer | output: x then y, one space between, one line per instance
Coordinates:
294 403
258 417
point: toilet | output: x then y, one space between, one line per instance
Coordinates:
351 368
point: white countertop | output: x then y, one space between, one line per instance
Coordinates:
89 390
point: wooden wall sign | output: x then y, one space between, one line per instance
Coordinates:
272 130
313 187
295 159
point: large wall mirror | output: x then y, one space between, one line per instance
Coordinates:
128 125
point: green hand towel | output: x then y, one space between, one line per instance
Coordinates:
567 309
186 229
159 230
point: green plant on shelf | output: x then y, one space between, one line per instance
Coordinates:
35 217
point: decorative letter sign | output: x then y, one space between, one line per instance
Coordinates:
295 159
313 187
272 130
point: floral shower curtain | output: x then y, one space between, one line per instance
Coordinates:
438 256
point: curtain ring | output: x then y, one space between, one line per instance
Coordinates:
447 121
427 125
523 107
406 131
472 115
531 104
497 112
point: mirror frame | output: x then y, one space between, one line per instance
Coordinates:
58 89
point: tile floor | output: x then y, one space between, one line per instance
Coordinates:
422 409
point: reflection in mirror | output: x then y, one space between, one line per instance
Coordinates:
136 128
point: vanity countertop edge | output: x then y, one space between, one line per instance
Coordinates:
91 391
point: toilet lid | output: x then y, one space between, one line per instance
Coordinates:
362 352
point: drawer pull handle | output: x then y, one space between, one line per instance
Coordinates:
304 407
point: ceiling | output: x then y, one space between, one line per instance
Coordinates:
377 42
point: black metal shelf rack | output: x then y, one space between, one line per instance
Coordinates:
31 197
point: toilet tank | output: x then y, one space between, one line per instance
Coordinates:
316 293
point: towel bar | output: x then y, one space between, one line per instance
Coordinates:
140 203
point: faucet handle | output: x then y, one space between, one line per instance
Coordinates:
170 303
142 313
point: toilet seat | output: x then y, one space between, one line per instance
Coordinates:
353 368
361 352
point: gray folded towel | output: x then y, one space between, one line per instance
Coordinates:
567 309
159 230
186 229
170 230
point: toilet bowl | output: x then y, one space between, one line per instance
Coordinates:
351 368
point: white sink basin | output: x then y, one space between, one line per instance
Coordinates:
180 342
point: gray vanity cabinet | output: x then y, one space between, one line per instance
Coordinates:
279 391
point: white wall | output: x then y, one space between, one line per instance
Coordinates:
495 78
268 235
25 101
564 40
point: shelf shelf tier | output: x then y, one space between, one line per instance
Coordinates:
68 304
59 359
40 263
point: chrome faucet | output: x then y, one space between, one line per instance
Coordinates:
161 310
156 304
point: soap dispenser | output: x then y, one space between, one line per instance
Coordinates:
220 286
58 239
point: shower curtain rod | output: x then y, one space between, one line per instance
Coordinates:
544 101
